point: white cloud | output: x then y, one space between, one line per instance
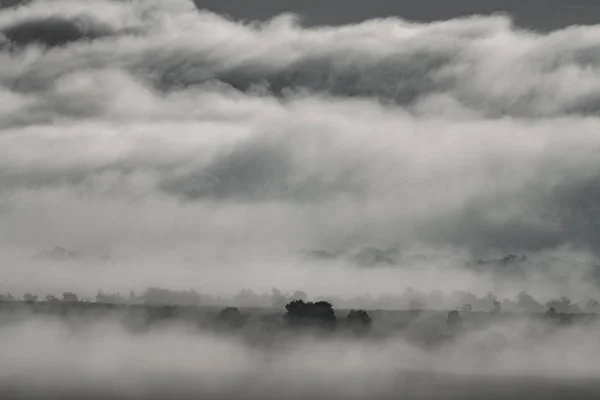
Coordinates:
182 127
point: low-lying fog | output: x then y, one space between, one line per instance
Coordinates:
51 356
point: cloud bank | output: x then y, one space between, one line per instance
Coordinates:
191 147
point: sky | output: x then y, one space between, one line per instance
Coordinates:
543 15
197 150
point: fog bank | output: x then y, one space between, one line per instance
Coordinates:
50 357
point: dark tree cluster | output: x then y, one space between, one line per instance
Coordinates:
70 297
230 318
309 314
7 297
263 325
359 321
30 298
454 322
556 317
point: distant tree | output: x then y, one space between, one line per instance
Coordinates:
50 298
30 297
132 299
359 321
416 304
497 306
466 307
109 298
70 297
248 297
592 306
453 321
527 303
491 298
509 305
230 317
551 312
556 317
563 305
229 312
299 295
278 299
245 297
161 296
468 300
7 297
300 312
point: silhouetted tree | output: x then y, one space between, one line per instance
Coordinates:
100 297
109 298
490 296
70 297
230 317
50 298
7 297
561 318
527 303
300 312
30 297
132 299
592 306
563 305
160 296
359 321
277 298
497 306
453 321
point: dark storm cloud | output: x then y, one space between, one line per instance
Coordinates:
396 78
53 31
12 3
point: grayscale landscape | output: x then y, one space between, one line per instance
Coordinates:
299 199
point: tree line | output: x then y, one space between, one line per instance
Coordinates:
410 299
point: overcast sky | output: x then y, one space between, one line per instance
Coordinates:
180 142
531 14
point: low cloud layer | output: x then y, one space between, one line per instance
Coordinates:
75 357
184 144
